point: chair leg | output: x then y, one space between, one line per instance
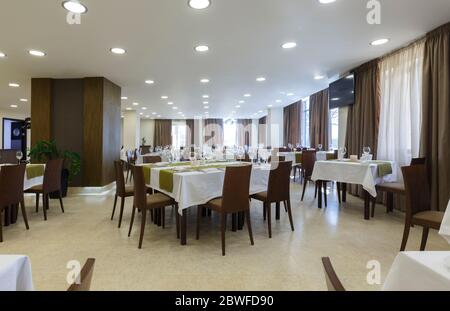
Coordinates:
1 225
315 191
295 172
265 211
423 243
269 219
45 204
325 193
338 186
223 229
177 220
114 207
24 214
290 214
61 202
249 226
285 206
122 205
374 203
141 237
132 220
405 235
37 202
199 216
304 189
163 217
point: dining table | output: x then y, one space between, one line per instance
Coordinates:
419 271
15 273
444 231
194 184
368 174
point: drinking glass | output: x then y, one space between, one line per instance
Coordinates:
366 150
19 156
319 146
343 152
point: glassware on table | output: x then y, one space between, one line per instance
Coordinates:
19 156
366 150
342 152
319 146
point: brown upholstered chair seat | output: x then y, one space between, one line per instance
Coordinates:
432 219
215 204
261 196
129 190
159 200
37 188
394 187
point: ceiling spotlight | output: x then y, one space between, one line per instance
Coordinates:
149 81
13 106
260 111
164 97
241 101
319 77
141 113
204 80
199 4
37 53
247 95
278 101
260 79
326 1
74 7
135 104
175 108
335 99
206 107
238 106
379 42
144 108
128 108
159 116
205 96
13 84
205 103
170 103
290 94
202 48
2 55
124 98
23 100
118 51
270 106
153 113
289 45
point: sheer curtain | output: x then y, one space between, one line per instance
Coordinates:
401 104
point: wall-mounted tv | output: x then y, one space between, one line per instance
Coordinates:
342 92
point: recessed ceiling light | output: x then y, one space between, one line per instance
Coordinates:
128 108
238 106
149 81
278 101
270 106
179 112
205 96
319 77
144 108
13 106
335 98
122 117
206 107
141 113
74 7
379 42
36 53
205 103
260 79
175 108
247 95
260 111
13 84
164 97
23 100
135 104
147 116
204 80
170 103
327 1
118 51
199 4
153 113
289 45
159 116
124 98
290 94
202 48
241 101
2 55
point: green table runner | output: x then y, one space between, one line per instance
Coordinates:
35 170
298 158
384 168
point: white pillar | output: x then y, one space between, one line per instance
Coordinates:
274 134
131 130
198 133
254 138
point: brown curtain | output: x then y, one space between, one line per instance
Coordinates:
189 132
291 124
318 119
244 132
363 116
163 133
435 140
213 132
262 124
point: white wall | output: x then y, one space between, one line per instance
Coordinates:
274 129
254 139
131 130
147 131
14 115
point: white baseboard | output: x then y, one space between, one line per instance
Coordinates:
76 191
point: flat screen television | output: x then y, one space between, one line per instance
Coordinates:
342 92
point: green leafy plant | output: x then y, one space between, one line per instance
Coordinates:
47 150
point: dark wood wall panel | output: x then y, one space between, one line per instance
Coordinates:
41 108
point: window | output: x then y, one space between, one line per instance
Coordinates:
229 132
305 122
178 134
334 128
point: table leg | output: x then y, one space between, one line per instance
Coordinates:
277 211
390 202
234 222
344 192
366 205
183 225
319 193
241 217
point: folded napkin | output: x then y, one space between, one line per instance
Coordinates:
35 170
298 158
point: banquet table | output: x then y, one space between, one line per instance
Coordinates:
15 273
445 225
34 175
199 186
140 158
419 271
365 173
291 156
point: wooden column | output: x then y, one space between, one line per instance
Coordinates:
41 110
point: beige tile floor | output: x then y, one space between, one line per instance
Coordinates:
288 261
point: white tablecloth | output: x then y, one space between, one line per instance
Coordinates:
196 188
360 173
15 273
419 271
289 156
29 183
445 226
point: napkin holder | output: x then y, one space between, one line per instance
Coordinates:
354 158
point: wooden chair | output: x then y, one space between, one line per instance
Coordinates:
235 199
278 191
145 202
145 149
393 188
151 159
85 277
131 159
298 167
52 184
333 282
123 191
11 191
308 161
418 208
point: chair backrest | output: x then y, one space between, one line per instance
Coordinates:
333 282
308 161
120 179
279 182
418 161
151 159
140 191
85 277
236 188
145 149
52 175
417 189
11 184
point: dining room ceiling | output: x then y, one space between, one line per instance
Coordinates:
244 38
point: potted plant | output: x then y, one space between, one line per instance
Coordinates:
47 150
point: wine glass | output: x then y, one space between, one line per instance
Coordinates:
366 151
343 152
319 146
19 156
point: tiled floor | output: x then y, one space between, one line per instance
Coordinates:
288 261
